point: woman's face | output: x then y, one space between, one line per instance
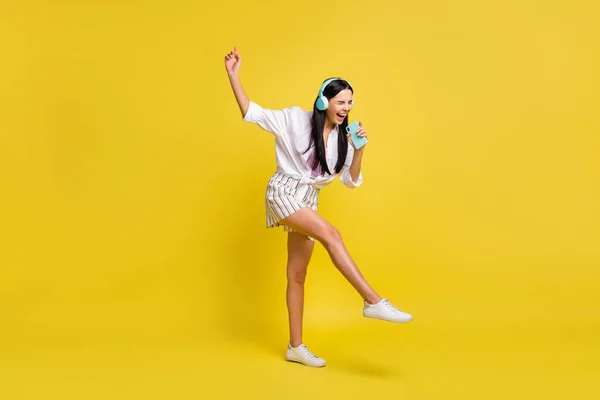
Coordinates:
339 107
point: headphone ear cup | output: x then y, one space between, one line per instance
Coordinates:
322 103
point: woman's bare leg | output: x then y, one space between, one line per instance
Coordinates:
306 221
300 249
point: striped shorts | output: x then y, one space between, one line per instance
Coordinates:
286 195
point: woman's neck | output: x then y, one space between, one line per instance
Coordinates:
329 126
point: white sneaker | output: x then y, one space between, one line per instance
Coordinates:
302 355
386 311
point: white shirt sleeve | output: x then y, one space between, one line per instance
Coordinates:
273 121
345 176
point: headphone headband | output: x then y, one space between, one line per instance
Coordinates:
328 81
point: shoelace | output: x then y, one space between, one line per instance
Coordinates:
311 355
390 306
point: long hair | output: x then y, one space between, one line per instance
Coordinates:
318 126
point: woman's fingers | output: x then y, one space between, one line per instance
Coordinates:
232 53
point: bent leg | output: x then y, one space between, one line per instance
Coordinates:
306 221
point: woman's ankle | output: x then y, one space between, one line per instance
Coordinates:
373 299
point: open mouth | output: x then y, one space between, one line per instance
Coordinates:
341 116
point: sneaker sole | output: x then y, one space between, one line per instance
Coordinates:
387 320
287 358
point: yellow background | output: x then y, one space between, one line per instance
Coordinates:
134 258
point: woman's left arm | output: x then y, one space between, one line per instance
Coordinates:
355 166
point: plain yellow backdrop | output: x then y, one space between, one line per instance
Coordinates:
134 262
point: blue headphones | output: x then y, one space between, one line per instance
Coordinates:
322 101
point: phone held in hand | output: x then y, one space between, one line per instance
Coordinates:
358 141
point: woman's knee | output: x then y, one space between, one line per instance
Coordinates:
297 274
331 236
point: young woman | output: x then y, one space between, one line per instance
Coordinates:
312 148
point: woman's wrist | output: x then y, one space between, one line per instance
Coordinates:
232 75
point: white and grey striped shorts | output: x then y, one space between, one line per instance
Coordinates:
286 195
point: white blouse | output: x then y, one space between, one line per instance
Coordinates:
291 128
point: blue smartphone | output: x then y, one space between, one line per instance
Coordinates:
357 140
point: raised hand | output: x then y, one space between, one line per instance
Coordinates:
233 61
